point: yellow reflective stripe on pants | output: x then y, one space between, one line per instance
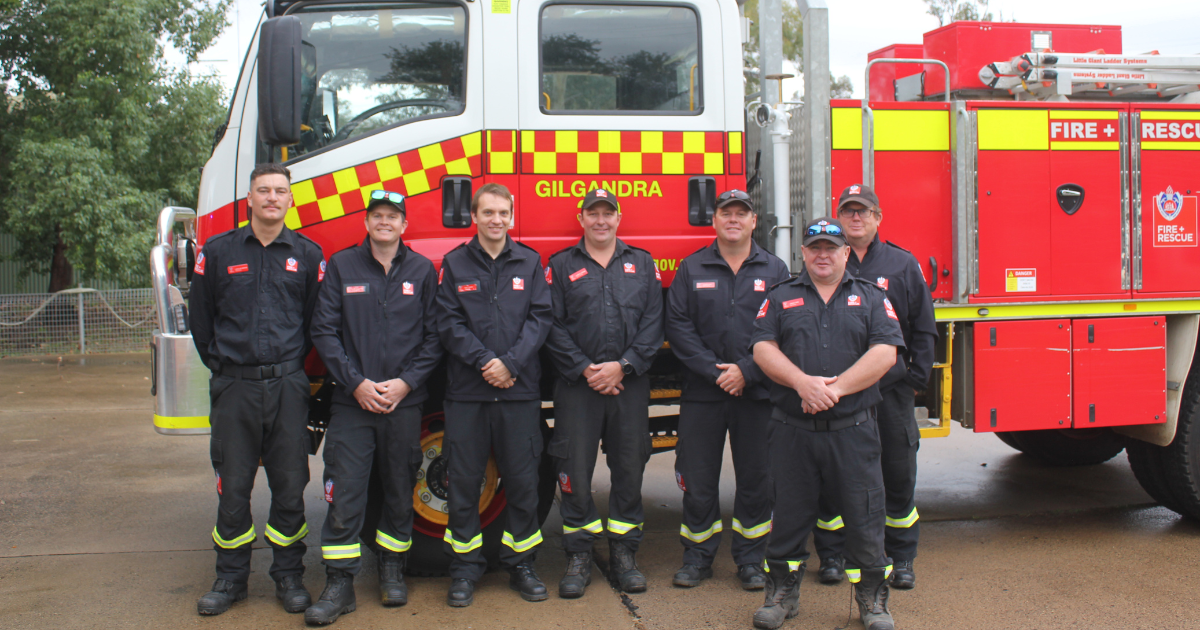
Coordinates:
340 552
699 536
793 565
854 575
594 527
463 547
391 544
832 524
618 527
244 539
752 532
523 545
283 541
906 521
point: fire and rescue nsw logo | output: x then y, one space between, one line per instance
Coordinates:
329 491
1175 220
564 482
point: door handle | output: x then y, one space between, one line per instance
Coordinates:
934 284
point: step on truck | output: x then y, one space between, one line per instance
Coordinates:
1054 214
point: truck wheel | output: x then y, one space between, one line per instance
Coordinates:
1146 460
1182 456
1074 447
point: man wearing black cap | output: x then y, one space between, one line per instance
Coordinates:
252 298
494 315
899 275
710 316
825 338
608 308
375 329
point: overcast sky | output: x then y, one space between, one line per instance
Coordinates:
857 27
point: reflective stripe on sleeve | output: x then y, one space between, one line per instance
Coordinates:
906 521
391 544
463 547
832 524
340 552
699 536
244 539
757 531
521 546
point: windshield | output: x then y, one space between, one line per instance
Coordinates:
368 67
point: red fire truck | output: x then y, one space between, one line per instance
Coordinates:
1059 236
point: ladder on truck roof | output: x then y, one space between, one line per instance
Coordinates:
1052 75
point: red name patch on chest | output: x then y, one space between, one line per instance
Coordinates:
793 303
356 288
467 288
232 269
706 285
578 274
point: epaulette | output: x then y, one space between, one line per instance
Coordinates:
898 247
516 242
217 237
306 238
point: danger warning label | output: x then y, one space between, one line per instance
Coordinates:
1174 222
1020 280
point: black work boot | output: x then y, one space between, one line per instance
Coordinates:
832 571
336 600
690 575
461 594
623 569
392 589
782 599
523 579
871 593
903 576
752 576
223 594
290 590
578 576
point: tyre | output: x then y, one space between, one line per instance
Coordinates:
1072 447
1146 460
1181 458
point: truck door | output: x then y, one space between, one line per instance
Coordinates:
625 96
389 101
1166 184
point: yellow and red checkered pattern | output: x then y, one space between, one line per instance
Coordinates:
410 173
737 163
623 152
502 152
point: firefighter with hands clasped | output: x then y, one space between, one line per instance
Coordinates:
608 309
710 316
494 315
252 298
826 338
899 275
375 329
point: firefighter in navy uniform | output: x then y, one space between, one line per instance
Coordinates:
710 316
252 298
608 310
375 328
899 275
825 338
494 315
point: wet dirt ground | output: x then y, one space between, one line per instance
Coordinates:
105 524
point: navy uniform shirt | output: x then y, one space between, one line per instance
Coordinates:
710 317
604 314
375 325
493 308
252 305
895 271
826 339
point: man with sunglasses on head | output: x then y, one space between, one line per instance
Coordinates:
494 315
608 310
825 338
710 316
375 328
253 293
897 272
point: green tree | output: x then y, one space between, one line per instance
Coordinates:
793 48
98 130
958 10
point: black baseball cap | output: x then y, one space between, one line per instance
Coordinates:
858 193
828 229
735 196
389 198
600 195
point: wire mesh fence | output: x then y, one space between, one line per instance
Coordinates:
76 321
